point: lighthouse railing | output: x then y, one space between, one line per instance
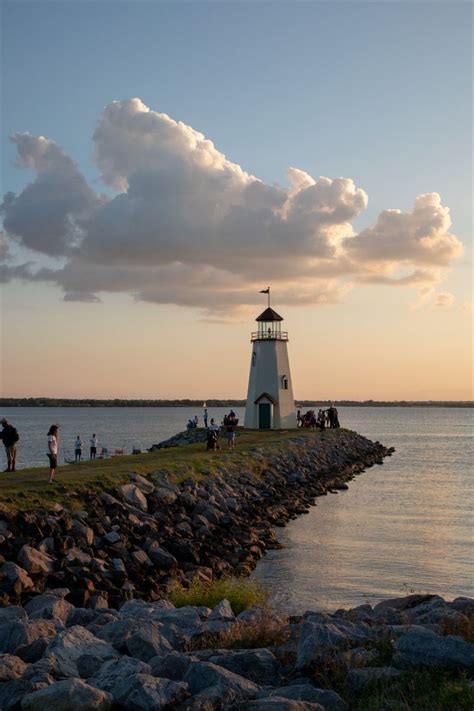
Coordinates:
269 336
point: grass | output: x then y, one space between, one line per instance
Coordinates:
28 488
240 592
415 691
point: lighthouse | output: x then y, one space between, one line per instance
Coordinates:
270 401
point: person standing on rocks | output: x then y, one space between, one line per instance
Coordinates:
10 437
93 442
53 436
205 417
78 449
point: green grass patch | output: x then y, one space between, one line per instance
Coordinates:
29 489
240 592
415 691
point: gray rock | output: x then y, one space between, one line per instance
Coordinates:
32 652
115 670
202 675
133 496
148 642
404 603
11 667
12 692
18 633
83 532
72 643
173 665
9 614
48 607
360 677
330 700
315 641
259 665
222 612
160 557
143 484
142 692
118 632
16 576
112 537
426 649
76 556
139 609
66 695
35 561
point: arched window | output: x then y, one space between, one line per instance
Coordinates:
284 382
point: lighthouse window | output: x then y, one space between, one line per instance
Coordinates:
254 358
284 382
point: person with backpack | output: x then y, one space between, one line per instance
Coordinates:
10 437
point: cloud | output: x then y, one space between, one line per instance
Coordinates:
444 299
187 226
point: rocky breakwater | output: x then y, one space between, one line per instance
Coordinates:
139 538
150 656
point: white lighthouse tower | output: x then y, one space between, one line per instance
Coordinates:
270 401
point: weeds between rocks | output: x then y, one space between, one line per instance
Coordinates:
414 691
240 592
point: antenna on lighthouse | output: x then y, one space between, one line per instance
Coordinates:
266 291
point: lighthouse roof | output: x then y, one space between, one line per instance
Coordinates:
269 315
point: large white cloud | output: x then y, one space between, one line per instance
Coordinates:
188 226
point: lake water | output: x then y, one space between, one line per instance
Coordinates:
401 527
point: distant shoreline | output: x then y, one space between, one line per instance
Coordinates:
88 402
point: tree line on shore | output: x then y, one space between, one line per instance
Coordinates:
214 402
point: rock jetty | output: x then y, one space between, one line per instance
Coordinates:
149 655
137 539
85 621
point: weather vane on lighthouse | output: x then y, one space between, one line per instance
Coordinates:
270 401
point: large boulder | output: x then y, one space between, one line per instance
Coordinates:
330 700
160 557
11 667
18 633
17 577
115 670
202 676
9 614
258 665
148 642
142 692
118 632
316 641
133 496
143 484
12 692
71 644
48 607
66 695
424 648
35 561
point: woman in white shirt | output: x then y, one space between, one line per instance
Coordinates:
53 451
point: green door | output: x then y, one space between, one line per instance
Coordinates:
264 416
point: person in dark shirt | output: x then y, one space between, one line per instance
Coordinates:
10 437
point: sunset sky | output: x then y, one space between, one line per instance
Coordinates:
164 162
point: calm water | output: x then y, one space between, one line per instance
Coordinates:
404 526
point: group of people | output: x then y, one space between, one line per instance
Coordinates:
325 419
229 423
10 437
93 442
